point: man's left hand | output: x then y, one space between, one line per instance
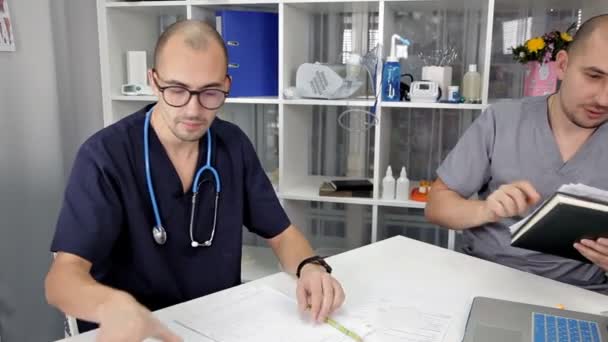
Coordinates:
319 291
595 250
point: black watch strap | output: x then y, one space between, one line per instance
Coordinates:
317 260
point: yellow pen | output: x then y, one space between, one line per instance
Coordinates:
344 330
333 323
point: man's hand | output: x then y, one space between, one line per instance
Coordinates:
595 250
510 200
318 290
122 318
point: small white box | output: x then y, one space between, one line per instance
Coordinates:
441 75
137 68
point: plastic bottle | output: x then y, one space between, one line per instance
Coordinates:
391 79
388 185
403 186
471 85
391 71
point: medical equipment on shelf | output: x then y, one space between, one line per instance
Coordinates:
315 80
425 91
325 81
137 83
158 231
391 73
133 89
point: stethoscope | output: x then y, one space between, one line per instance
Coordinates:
158 232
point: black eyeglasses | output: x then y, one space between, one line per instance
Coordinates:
178 96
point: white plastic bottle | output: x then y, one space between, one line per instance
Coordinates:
388 185
403 186
471 85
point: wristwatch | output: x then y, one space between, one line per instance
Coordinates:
317 260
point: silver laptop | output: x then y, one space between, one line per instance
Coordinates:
494 320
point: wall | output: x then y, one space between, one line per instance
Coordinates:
44 115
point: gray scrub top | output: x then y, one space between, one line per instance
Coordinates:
513 141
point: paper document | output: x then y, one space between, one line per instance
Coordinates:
400 322
186 333
578 189
265 315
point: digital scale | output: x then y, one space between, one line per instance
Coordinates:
136 89
425 91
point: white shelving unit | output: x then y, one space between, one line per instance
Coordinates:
307 33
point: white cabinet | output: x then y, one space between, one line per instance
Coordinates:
303 142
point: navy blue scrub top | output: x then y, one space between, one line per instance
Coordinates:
107 217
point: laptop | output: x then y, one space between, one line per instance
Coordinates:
494 320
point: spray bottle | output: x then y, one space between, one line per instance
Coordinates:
391 73
403 186
388 185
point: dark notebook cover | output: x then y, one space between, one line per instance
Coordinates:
327 189
561 227
352 185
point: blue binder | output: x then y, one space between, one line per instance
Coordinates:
252 40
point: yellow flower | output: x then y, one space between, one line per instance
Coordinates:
535 44
566 37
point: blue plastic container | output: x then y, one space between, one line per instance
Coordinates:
391 80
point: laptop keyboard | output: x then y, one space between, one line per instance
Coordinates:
550 328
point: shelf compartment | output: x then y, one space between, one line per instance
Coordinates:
328 33
331 228
418 139
326 141
410 223
134 28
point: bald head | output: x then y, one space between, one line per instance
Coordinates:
195 34
593 26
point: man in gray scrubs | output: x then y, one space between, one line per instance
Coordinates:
518 153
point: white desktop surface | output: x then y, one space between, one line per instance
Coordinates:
431 278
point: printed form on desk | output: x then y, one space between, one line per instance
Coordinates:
264 314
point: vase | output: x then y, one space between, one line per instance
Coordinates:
540 79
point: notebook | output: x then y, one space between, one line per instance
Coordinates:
574 212
352 185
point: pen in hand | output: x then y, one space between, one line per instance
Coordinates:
333 323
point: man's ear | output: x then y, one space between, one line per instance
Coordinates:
228 83
561 60
152 83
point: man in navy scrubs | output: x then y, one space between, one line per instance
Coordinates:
110 268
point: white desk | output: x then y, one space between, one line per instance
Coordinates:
438 278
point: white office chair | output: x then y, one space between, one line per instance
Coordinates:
70 326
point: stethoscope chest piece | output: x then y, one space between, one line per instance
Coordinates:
160 235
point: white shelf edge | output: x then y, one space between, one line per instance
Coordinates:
325 1
247 100
320 102
233 2
253 100
347 200
402 204
352 200
463 106
134 98
139 4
